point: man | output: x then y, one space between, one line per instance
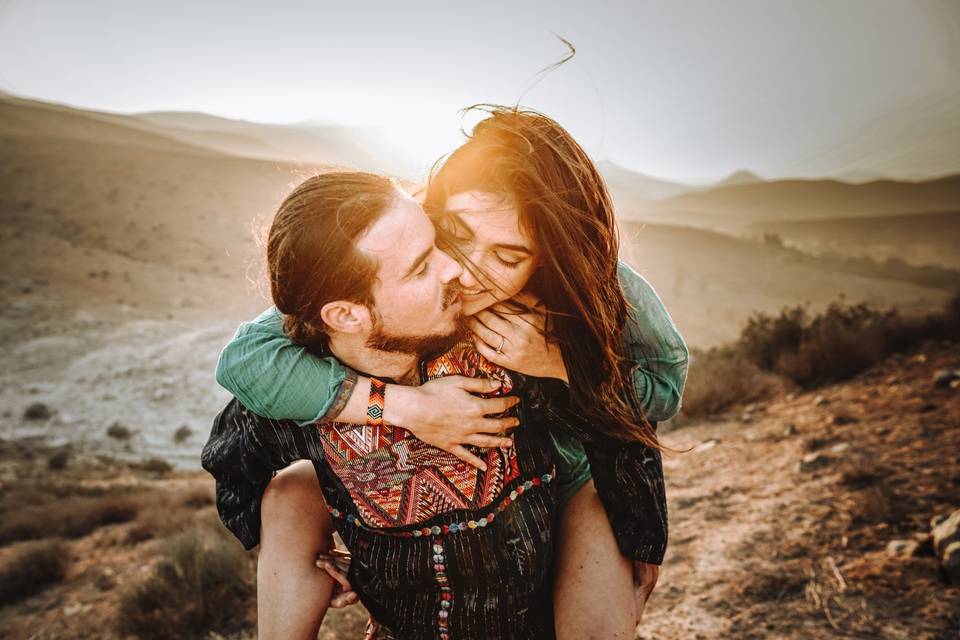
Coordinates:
439 548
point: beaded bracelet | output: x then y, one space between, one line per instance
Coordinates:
378 393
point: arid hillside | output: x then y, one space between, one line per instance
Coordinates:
918 238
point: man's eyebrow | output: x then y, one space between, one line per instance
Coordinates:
418 261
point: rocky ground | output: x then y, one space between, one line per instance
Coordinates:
785 519
804 517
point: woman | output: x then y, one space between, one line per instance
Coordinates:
527 213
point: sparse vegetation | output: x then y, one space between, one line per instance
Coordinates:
721 378
839 343
118 431
68 519
202 583
31 567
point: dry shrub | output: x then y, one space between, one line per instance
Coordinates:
721 378
67 518
202 583
31 567
840 342
162 519
198 498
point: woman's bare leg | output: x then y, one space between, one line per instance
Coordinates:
593 594
292 592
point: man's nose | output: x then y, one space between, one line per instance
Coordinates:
452 269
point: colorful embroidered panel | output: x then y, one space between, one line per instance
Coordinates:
397 480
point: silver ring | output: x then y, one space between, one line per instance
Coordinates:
500 348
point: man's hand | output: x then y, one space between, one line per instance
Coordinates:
644 580
337 563
445 413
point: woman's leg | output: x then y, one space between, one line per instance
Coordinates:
593 593
292 592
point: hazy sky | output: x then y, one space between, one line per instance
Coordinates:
684 90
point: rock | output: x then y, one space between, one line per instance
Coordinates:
924 544
840 448
746 416
902 548
943 378
951 562
37 411
58 460
920 357
790 430
183 433
821 401
705 446
955 384
945 532
119 432
813 462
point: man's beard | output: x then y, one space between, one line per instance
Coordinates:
424 346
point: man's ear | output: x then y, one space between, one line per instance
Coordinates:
344 316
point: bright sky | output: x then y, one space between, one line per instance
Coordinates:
683 90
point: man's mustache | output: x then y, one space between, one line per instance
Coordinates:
450 294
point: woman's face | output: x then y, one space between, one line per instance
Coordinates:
498 253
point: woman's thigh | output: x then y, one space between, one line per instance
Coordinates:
593 592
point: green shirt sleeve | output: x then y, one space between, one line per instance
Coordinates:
655 348
275 378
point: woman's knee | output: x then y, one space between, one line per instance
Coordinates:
293 500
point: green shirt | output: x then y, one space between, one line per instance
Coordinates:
278 379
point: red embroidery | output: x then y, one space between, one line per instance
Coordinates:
396 480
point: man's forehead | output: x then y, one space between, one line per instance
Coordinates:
401 234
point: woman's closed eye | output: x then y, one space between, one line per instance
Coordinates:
509 261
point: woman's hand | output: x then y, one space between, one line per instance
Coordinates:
517 341
445 413
337 564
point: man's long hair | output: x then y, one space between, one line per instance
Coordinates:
312 257
536 166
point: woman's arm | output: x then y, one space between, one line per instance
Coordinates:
278 379
654 347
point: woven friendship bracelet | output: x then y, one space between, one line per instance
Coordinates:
378 392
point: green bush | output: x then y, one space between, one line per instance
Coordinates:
202 583
31 567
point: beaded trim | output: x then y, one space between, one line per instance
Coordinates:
456 527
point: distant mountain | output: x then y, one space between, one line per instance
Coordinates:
731 207
632 190
738 178
916 238
308 142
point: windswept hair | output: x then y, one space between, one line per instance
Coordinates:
534 164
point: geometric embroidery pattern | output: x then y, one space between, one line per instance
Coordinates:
396 480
